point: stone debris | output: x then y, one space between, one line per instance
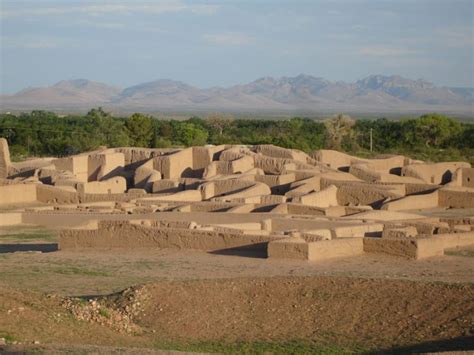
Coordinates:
116 312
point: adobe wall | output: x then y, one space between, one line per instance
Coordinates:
298 209
456 197
256 189
175 165
234 153
362 194
105 165
305 186
335 159
145 176
438 173
5 163
279 184
167 186
117 197
358 231
367 173
133 155
411 189
324 198
52 194
284 224
132 236
274 151
335 248
397 247
13 194
390 165
184 196
211 206
221 187
419 247
110 186
10 219
203 156
298 248
342 161
467 177
78 165
241 165
272 165
430 200
55 218
288 248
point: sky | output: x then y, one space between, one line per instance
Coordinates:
222 43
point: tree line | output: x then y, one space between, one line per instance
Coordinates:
433 136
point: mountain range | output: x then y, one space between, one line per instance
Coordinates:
302 93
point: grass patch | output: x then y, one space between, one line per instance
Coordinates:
7 336
74 270
104 313
257 347
460 252
29 236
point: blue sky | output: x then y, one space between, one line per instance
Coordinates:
220 43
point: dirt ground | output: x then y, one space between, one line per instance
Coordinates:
197 301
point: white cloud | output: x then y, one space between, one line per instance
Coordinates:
229 39
456 37
31 42
118 7
385 51
107 25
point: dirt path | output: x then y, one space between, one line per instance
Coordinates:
95 273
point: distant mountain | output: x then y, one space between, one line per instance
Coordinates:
78 92
376 93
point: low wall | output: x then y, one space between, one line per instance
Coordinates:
456 198
52 194
298 248
17 193
419 247
10 219
122 234
425 201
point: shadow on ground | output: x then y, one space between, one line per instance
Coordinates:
447 345
41 247
258 251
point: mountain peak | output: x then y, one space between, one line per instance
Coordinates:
376 82
78 83
303 92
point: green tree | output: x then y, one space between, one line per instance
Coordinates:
190 135
109 131
140 130
434 130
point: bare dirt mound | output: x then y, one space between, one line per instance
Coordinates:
367 313
34 320
306 313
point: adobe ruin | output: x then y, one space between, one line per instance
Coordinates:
283 202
